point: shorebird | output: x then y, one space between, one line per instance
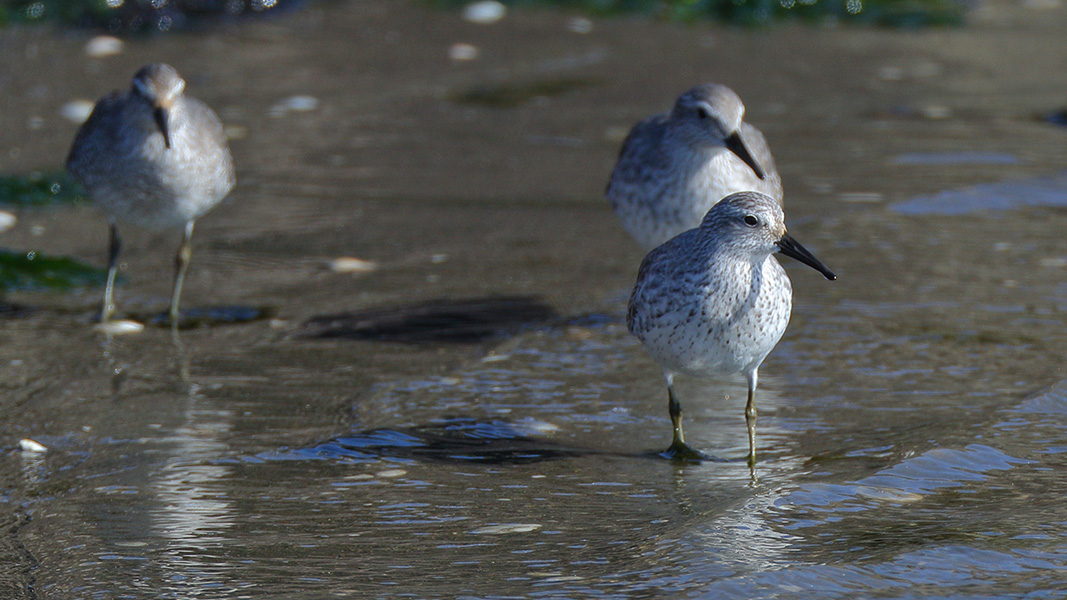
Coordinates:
714 300
156 158
673 167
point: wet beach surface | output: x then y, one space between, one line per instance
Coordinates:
471 418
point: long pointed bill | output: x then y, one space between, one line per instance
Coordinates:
737 146
792 248
161 120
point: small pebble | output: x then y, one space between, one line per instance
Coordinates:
462 52
76 111
540 426
7 220
390 473
579 333
936 112
235 132
580 25
891 74
927 69
119 327
28 445
1043 4
861 197
484 12
616 134
103 46
348 264
294 104
822 187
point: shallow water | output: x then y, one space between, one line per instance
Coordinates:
472 419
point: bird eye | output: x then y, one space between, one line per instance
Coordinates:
750 220
702 112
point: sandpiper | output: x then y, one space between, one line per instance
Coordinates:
156 158
714 301
673 167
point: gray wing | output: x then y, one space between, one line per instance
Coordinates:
667 271
95 134
639 152
757 146
210 141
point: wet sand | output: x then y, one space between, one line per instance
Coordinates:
907 425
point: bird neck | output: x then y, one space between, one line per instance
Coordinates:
735 262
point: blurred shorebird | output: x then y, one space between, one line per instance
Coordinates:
714 301
156 158
673 167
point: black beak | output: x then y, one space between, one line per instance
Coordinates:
161 120
792 248
737 146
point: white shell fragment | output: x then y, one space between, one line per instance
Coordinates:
28 445
348 264
302 103
76 111
103 46
119 327
484 12
506 528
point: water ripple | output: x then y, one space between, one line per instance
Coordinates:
909 480
1002 195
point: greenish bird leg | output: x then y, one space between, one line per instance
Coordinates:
114 247
750 416
679 451
181 264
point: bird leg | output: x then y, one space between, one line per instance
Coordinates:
674 407
679 451
181 263
750 417
114 248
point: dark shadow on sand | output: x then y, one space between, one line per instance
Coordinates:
209 316
464 321
455 440
15 311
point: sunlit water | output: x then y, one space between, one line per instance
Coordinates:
471 419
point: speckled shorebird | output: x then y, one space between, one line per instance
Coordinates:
714 301
156 158
673 167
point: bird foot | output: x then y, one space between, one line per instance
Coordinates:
680 452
